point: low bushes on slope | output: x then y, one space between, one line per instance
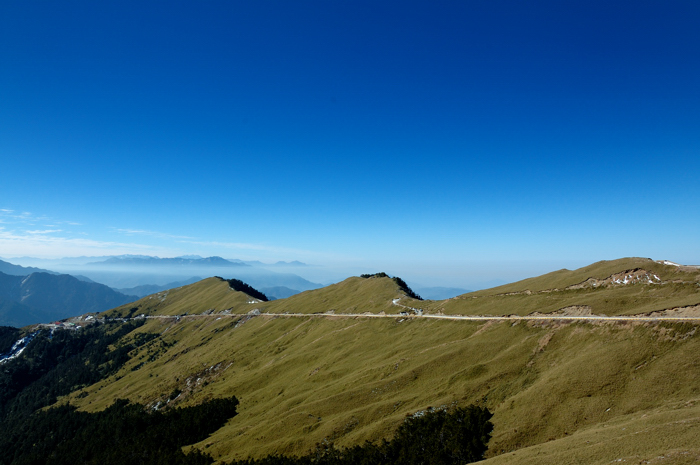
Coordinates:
8 336
55 363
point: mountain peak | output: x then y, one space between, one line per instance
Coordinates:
292 263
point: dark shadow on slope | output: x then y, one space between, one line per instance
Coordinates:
240 286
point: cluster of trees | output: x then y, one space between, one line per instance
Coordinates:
238 285
8 336
399 282
435 438
57 362
123 433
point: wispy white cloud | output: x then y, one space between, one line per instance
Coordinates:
28 234
232 245
21 234
44 231
215 247
276 252
142 232
204 243
41 244
9 216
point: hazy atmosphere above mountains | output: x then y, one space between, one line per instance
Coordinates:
455 144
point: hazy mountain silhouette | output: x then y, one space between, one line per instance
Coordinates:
44 297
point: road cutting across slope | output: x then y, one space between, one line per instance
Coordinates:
682 314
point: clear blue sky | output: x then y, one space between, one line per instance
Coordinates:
424 139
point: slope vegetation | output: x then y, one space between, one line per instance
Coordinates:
560 391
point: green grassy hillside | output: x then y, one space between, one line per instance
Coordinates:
561 392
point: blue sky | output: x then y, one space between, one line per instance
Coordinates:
445 142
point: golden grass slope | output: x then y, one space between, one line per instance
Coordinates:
353 295
600 270
301 380
561 290
671 287
561 392
211 295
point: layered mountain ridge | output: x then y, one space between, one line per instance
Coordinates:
43 297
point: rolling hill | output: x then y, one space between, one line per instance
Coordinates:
349 362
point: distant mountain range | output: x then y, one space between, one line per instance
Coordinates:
292 263
143 274
26 301
278 292
176 261
126 272
17 270
148 289
439 293
42 297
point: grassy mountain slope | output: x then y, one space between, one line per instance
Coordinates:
301 380
206 296
675 287
600 270
561 392
353 295
213 295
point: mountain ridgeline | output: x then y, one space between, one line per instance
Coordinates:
124 272
17 270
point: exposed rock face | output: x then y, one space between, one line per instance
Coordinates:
625 277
